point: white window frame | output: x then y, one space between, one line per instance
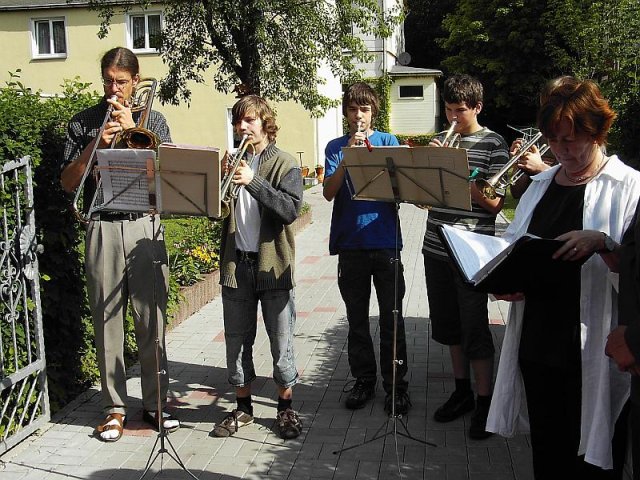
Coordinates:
411 98
35 52
129 30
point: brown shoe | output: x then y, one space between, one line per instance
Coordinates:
114 422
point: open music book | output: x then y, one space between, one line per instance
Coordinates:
494 265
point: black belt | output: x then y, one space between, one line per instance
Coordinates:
117 216
250 257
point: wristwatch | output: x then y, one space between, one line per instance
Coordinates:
609 244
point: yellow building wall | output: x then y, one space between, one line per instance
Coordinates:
204 122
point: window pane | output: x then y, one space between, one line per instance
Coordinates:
154 31
59 43
42 37
411 91
137 32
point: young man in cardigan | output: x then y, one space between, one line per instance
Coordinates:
257 259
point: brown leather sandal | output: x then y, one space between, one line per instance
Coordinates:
119 426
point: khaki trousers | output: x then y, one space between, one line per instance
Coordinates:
126 260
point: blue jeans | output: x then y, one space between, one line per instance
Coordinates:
240 306
356 268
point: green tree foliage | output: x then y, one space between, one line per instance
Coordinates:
502 43
514 46
423 25
600 40
275 48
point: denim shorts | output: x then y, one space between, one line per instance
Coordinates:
240 307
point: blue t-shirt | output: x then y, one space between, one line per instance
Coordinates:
360 224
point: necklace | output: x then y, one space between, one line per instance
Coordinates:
582 178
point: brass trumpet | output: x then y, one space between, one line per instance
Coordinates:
229 190
451 139
496 186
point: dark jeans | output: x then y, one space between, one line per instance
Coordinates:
356 268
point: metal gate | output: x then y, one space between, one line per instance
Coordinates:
24 402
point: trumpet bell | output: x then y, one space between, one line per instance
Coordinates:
488 190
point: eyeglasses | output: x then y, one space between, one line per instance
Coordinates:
119 83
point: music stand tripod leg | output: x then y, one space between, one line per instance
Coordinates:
162 436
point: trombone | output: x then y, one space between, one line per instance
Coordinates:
137 137
496 186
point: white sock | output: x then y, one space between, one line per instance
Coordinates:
168 424
112 433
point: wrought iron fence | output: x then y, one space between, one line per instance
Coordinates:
24 403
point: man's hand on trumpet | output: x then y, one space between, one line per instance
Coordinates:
530 161
243 174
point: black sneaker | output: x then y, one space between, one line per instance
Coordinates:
403 403
479 423
235 420
360 394
288 423
457 405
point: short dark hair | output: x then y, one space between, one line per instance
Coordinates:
122 59
580 102
361 94
463 88
260 107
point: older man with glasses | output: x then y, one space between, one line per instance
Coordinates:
125 255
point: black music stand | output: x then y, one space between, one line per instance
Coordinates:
423 176
130 181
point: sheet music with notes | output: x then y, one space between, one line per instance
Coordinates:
128 179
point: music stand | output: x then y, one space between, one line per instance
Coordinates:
189 180
130 181
420 175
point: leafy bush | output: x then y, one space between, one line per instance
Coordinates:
415 140
192 245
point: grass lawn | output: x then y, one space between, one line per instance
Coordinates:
509 207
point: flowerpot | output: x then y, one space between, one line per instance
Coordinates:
320 173
305 172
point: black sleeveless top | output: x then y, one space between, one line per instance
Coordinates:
551 323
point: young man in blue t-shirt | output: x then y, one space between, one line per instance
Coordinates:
364 235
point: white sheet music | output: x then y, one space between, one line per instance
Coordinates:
125 175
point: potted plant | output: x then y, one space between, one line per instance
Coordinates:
320 173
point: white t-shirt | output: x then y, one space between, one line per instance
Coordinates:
248 217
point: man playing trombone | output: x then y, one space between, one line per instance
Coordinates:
121 249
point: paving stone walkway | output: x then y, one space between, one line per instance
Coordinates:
200 396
